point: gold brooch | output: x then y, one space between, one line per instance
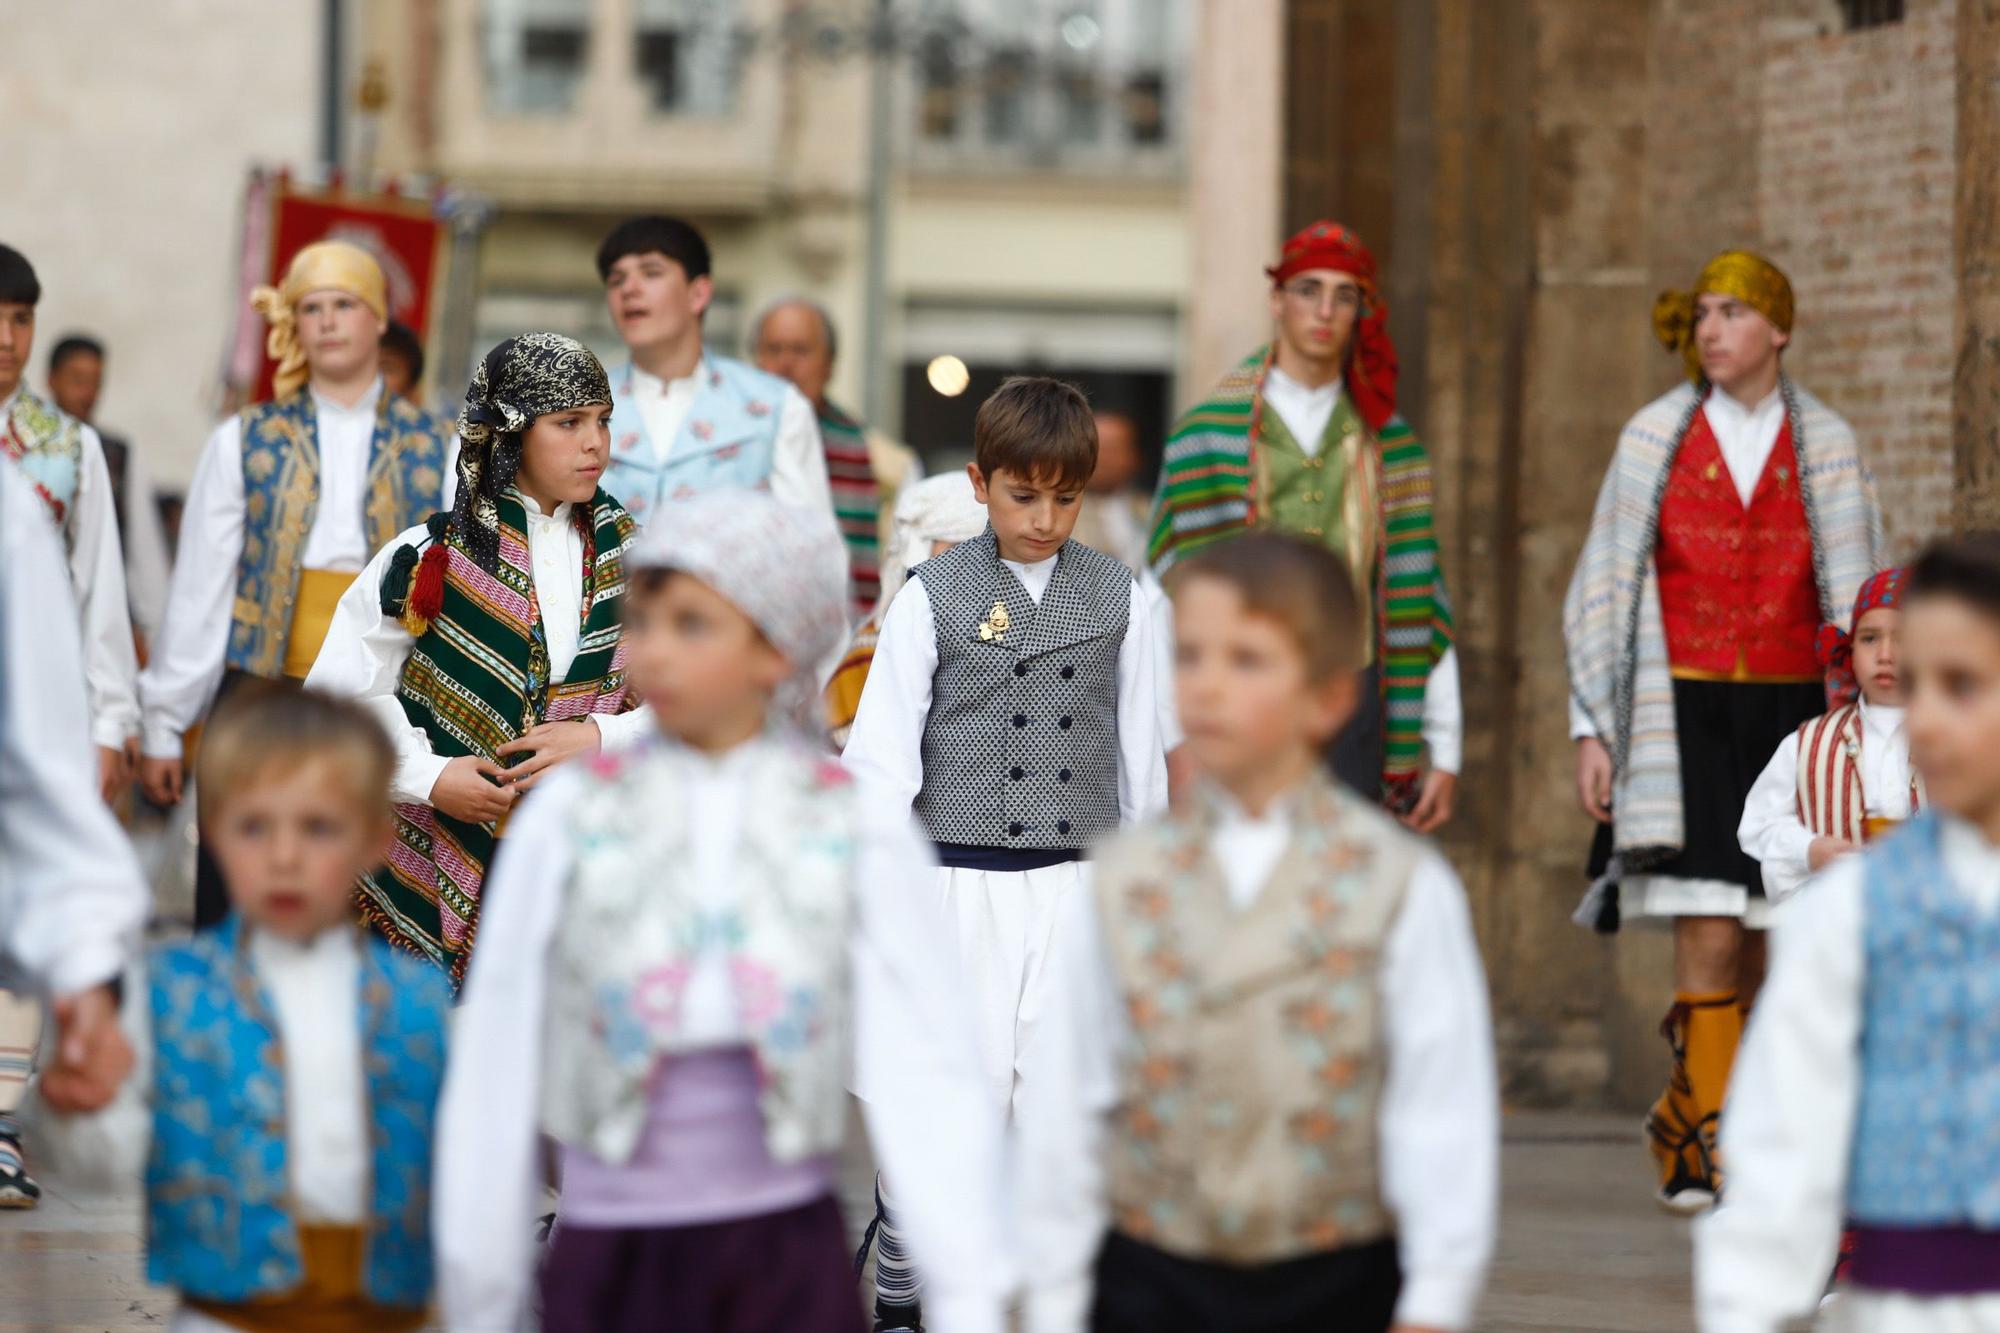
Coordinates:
994 626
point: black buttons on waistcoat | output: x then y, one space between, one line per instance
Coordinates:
1064 724
1062 826
1013 830
1020 719
1020 668
1069 673
1016 774
1063 776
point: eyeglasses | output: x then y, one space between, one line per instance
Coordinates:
1313 294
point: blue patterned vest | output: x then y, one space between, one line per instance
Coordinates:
217 1189
406 463
48 446
1927 1134
727 441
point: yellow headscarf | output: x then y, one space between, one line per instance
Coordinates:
321 266
1751 279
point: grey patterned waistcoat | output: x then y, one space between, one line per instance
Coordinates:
1021 746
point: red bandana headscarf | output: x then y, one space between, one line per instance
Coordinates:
1371 363
1836 645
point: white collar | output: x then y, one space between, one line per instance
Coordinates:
1721 398
1329 390
534 510
1035 567
328 946
364 405
1230 812
7 403
653 384
1881 719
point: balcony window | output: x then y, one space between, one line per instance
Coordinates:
686 54
535 53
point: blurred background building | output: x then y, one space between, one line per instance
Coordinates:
1090 188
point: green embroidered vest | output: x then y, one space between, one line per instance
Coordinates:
1329 497
1250 1082
281 497
477 678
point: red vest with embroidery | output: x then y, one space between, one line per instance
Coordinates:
1737 588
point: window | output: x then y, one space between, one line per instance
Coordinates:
535 53
686 54
1870 13
937 89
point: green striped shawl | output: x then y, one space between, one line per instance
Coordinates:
1208 493
476 679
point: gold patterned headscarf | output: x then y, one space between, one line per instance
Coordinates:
321 266
1751 279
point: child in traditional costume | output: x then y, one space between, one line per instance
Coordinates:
685 942
487 639
932 516
1844 778
1012 705
290 499
1277 996
1868 1088
289 1065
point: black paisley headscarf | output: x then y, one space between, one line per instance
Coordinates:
521 379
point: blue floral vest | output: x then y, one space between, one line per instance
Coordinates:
48 447
281 495
727 442
1926 1151
217 1192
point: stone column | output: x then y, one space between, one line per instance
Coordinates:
1235 171
1975 396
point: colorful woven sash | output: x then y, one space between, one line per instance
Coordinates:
857 504
1207 494
477 678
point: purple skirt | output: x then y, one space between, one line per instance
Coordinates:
789 1270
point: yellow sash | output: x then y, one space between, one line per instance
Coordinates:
1874 826
329 1297
312 614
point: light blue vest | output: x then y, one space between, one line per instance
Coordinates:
727 441
47 444
220 1226
1927 1136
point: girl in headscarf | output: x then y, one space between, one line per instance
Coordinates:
696 948
931 516
488 639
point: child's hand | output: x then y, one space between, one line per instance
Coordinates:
1825 850
1435 802
162 780
550 744
92 1055
112 774
465 790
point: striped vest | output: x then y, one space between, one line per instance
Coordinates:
281 497
477 678
1831 799
47 445
857 505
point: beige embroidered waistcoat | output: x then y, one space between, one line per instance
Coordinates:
1249 1086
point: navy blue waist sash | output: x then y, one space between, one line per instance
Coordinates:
1926 1261
964 856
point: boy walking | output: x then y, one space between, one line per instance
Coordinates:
1012 705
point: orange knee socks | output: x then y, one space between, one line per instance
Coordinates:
1703 1030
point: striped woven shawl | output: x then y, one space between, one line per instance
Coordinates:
1617 651
1207 493
857 504
476 679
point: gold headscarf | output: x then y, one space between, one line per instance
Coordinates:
1751 279
321 266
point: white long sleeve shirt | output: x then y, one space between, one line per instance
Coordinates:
365 650
1746 436
147 557
924 1100
97 578
72 899
1763 1256
1305 412
1771 832
314 988
189 654
885 748
1438 1126
798 462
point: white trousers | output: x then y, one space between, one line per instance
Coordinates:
1892 1312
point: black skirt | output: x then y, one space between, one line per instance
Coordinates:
1141 1289
1727 732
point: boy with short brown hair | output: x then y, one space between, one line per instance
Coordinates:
1012 705
1279 1002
